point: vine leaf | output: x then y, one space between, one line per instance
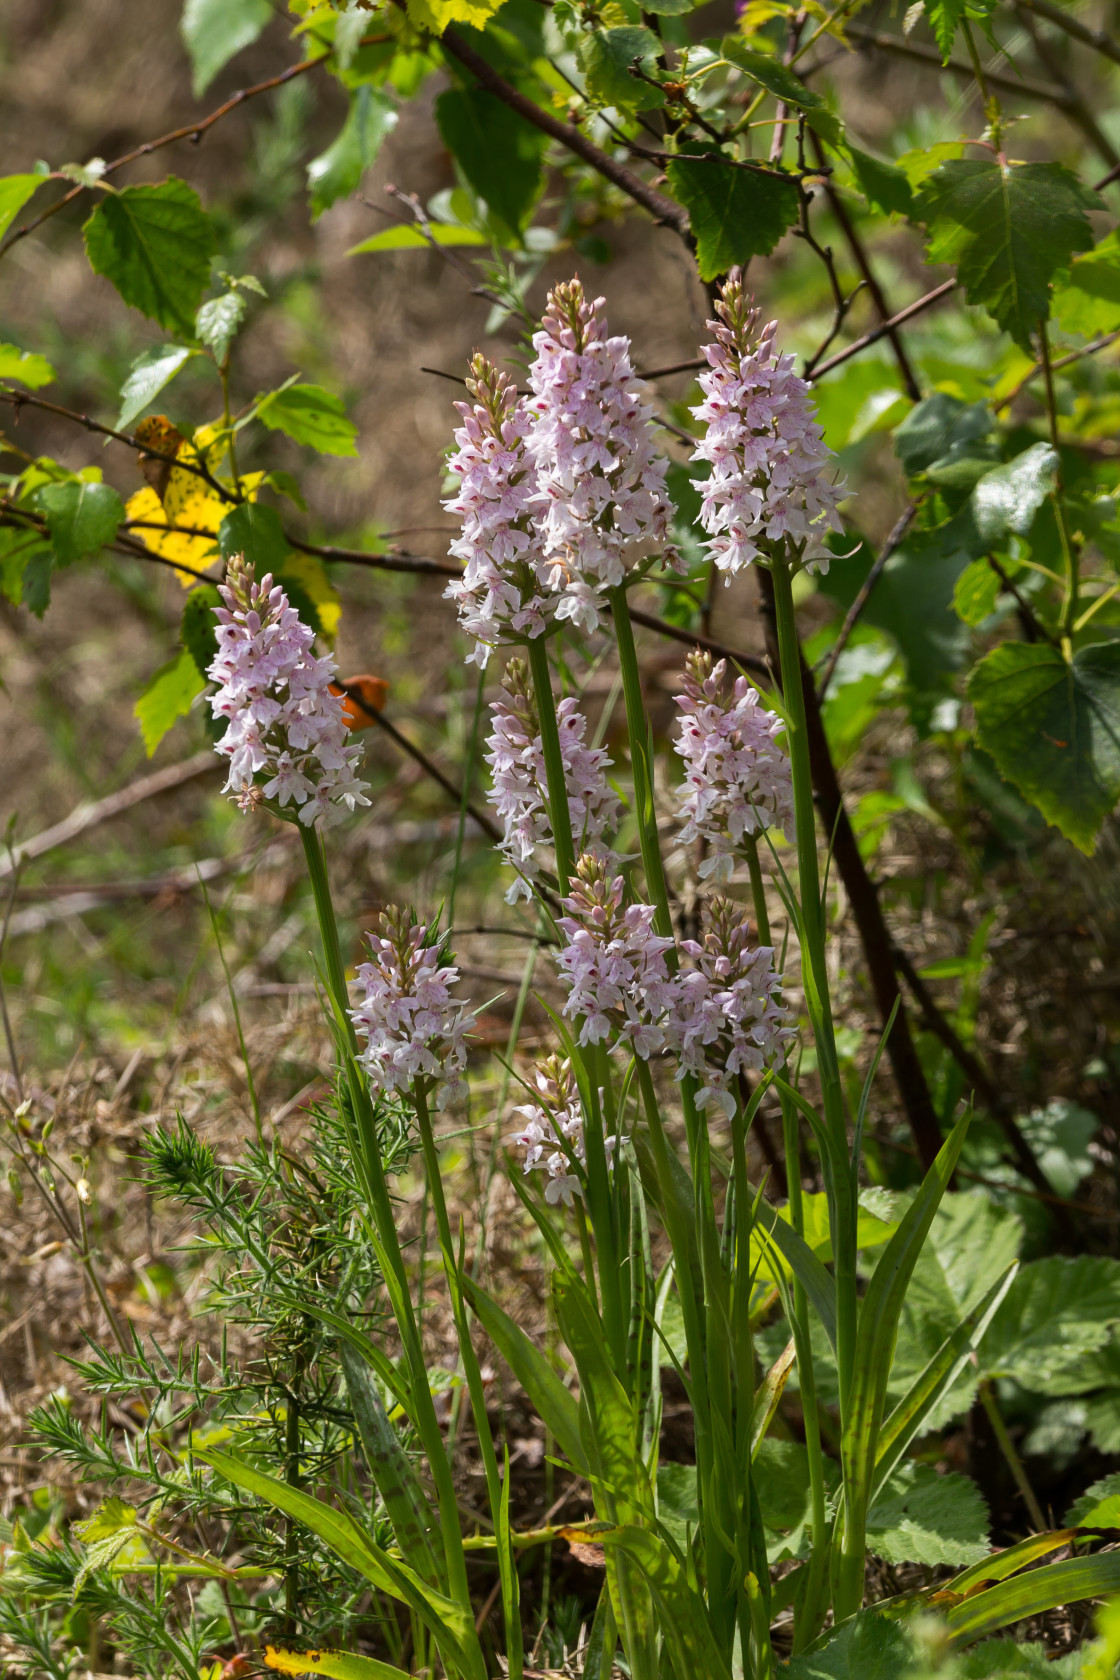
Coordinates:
338 171
498 152
1009 228
1007 498
81 517
214 30
435 15
605 57
311 415
945 17
168 697
155 245
736 214
25 367
1054 730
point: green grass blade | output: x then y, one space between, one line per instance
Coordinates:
1030 1594
391 1469
556 1406
336 1665
803 1263
684 1615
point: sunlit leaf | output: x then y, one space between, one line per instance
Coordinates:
168 697
147 377
498 151
312 416
25 367
81 517
15 190
411 238
155 244
214 30
338 171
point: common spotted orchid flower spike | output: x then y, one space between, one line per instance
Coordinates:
726 1016
613 963
553 1132
771 478
515 755
737 778
287 740
412 1026
498 596
601 498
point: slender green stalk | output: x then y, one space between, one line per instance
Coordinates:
559 817
638 731
465 798
1014 1462
1071 603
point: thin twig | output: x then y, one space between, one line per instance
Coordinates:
1095 38
894 538
929 55
1077 110
1062 361
916 308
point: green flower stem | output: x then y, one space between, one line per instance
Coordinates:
452 1270
637 728
810 1609
1014 1462
559 817
383 1224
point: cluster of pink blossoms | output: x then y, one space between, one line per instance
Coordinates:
553 1133
413 1027
600 486
767 451
515 755
499 594
561 491
613 962
737 779
287 741
726 1016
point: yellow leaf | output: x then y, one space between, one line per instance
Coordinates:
308 572
200 509
435 15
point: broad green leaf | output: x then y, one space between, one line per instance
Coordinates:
1032 1593
81 518
15 190
214 30
336 1665
1053 729
411 238
883 185
945 17
940 428
147 377
155 245
1087 300
736 214
605 57
1056 1311
256 532
1007 498
391 1468
499 153
218 321
922 1517
452 1625
337 172
310 415
549 1395
304 574
976 592
1060 1135
1008 228
198 629
868 1646
25 367
1098 1506
1002 1659
671 8
769 72
168 697
26 567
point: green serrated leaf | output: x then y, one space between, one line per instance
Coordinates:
218 321
147 377
1007 498
167 698
1053 729
15 190
1008 228
500 154
940 428
1088 300
922 1517
198 630
976 592
868 1646
155 245
605 57
337 172
25 367
769 72
312 416
214 30
736 214
1098 1506
26 564
81 518
882 184
411 238
1056 1312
